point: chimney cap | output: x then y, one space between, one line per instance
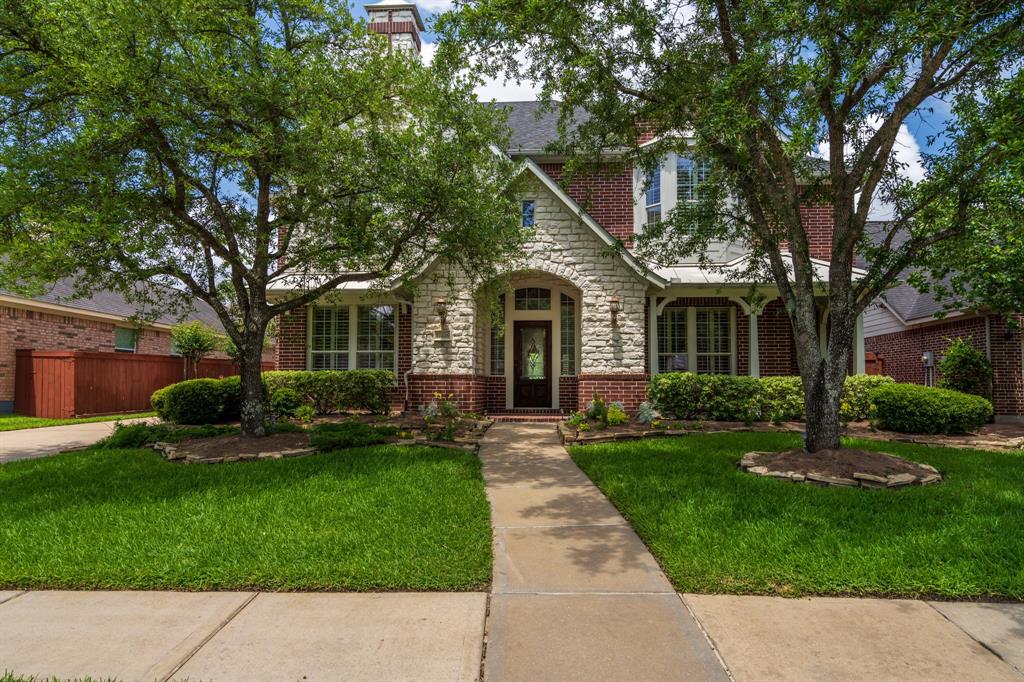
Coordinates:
397 4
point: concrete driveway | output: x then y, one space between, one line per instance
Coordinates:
49 440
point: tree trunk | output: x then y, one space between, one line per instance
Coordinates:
253 401
823 390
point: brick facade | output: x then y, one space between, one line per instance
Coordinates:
290 352
902 351
629 389
818 224
606 195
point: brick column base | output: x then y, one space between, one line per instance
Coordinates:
629 389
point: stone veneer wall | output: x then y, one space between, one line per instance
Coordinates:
902 353
607 195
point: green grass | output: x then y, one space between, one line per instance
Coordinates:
376 518
716 529
15 422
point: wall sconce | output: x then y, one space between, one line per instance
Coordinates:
441 308
615 306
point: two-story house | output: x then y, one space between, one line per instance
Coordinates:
578 316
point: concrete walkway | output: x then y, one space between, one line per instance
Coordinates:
49 440
576 594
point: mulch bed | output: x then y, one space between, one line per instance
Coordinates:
845 467
238 448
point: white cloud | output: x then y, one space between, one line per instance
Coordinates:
497 89
435 5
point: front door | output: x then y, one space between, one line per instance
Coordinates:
532 366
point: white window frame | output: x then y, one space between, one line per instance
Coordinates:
669 190
352 351
692 355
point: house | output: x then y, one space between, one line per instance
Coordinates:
579 316
57 320
911 330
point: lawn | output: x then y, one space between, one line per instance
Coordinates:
716 529
15 422
376 518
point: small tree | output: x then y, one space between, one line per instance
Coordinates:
252 154
964 368
193 341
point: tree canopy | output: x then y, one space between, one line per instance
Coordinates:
793 102
231 148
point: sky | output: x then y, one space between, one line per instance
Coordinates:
911 141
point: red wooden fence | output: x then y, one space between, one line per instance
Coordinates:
63 383
873 363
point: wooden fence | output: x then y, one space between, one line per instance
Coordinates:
61 384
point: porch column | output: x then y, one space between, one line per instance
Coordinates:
755 356
858 346
752 307
652 332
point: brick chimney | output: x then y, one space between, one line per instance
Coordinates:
398 20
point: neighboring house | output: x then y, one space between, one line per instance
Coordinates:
56 320
903 329
579 317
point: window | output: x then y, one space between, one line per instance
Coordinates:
497 350
714 343
652 197
124 340
329 340
533 298
672 341
696 339
689 175
375 343
528 211
567 320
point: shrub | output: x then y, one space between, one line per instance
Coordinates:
196 401
686 395
139 435
284 402
616 415
781 399
597 410
305 413
577 419
232 391
646 414
909 408
159 402
856 400
964 368
336 391
329 437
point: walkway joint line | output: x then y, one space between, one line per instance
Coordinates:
195 650
13 597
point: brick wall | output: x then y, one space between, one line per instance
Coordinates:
468 390
29 329
568 393
630 389
902 353
290 352
776 351
817 221
606 195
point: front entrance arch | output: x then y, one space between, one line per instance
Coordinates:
540 320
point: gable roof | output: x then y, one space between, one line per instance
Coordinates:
111 304
533 125
904 300
601 233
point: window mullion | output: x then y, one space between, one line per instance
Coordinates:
691 338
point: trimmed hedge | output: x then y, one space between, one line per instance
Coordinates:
337 391
739 398
208 401
909 408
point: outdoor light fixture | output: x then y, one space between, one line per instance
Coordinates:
441 307
615 306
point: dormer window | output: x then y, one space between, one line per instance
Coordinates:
677 179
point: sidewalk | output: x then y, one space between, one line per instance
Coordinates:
49 440
576 595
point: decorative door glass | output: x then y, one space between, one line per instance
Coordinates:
532 345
